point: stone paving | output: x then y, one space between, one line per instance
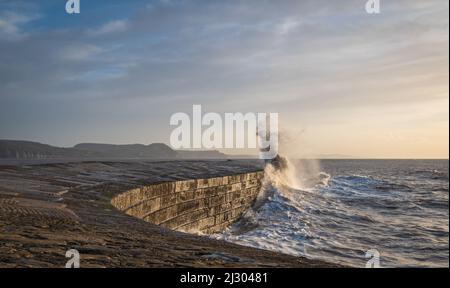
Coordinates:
48 209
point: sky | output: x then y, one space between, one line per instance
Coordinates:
344 82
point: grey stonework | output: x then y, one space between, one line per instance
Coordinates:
199 205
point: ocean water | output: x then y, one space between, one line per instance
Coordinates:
337 210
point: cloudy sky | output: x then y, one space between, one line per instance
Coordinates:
343 82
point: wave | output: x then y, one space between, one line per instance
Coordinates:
338 213
433 174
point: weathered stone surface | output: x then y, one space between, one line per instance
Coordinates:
214 197
48 209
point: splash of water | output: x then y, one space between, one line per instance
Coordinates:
300 174
325 221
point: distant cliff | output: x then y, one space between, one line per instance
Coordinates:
12 149
156 150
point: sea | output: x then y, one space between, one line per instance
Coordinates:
358 213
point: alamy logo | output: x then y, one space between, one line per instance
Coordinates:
74 261
73 6
373 6
374 258
210 131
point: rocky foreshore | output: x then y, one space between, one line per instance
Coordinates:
47 209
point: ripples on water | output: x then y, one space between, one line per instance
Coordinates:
399 207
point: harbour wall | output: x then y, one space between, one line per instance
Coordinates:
195 206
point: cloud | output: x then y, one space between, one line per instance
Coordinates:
10 25
115 26
288 25
79 52
311 61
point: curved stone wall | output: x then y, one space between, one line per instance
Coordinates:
199 205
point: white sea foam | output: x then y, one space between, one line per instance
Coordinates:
304 211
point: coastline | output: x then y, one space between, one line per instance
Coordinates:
48 209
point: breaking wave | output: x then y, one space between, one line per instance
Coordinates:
338 210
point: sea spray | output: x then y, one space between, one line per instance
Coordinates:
298 174
386 205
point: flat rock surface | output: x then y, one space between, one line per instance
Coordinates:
48 209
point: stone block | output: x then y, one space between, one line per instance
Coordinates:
145 207
216 200
185 196
168 200
202 183
185 185
217 181
184 207
206 222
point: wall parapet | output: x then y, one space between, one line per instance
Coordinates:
197 205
